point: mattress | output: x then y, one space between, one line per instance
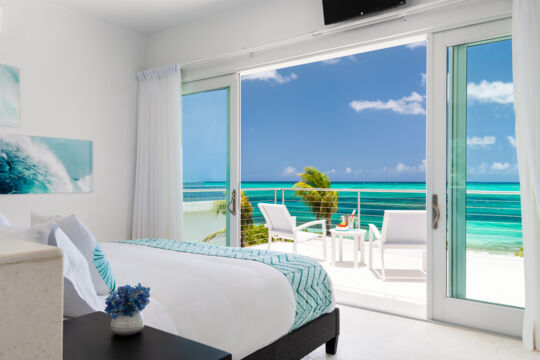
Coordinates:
235 305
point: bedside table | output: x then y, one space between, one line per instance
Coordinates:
90 337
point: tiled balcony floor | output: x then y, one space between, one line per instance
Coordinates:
492 278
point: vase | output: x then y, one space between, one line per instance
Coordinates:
127 325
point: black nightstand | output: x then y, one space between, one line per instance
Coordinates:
90 337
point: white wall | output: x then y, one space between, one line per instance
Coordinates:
77 81
270 32
256 22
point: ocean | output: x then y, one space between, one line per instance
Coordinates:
493 221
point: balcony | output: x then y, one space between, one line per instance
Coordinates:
493 243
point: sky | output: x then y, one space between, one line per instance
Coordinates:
357 118
491 150
204 136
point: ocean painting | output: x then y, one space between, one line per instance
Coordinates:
45 165
9 95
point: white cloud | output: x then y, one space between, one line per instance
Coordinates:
500 166
289 170
496 167
331 61
480 169
512 140
348 170
417 44
423 78
338 60
481 142
402 167
331 171
408 105
495 92
271 76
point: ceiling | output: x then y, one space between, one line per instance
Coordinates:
150 16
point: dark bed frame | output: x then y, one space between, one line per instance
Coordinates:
302 341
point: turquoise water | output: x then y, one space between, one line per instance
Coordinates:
493 221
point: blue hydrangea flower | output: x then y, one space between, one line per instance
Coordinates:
127 300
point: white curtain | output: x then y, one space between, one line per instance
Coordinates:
526 60
157 207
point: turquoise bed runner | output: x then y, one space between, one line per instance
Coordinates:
309 281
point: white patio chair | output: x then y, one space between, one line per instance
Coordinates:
281 225
402 229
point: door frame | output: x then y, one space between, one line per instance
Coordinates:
495 318
232 84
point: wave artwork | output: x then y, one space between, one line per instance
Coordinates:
45 165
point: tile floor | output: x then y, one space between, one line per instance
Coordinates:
373 335
404 291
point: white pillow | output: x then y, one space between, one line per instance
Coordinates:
100 270
79 294
38 234
4 221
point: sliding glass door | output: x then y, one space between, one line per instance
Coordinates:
210 160
477 263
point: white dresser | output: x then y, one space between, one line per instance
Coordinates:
31 300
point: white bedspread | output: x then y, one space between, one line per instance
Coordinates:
236 305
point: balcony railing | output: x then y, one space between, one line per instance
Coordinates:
493 217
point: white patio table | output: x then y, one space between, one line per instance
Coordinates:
359 239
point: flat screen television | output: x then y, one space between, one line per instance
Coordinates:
340 10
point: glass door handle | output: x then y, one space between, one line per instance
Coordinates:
232 204
436 212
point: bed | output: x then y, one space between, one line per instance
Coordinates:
245 307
